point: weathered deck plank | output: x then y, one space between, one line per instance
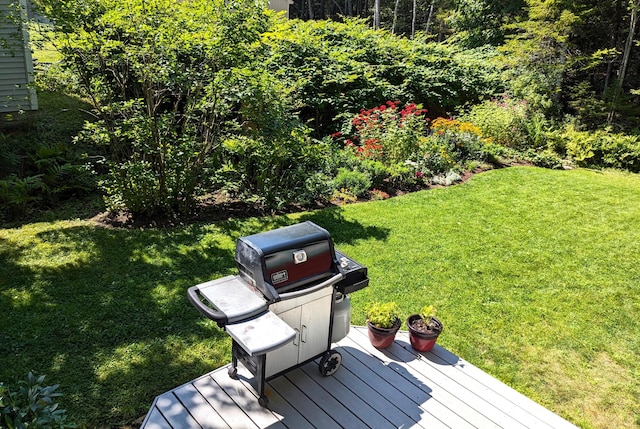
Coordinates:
374 388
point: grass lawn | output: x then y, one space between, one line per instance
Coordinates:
534 272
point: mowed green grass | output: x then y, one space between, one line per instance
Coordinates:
534 272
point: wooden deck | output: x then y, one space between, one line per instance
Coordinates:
373 389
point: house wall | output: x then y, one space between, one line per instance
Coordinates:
280 5
16 64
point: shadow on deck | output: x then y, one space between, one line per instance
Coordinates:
396 387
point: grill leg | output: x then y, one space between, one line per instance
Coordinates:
233 369
262 367
257 365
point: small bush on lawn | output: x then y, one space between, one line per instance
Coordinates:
31 405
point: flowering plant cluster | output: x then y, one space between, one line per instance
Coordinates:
442 125
451 141
387 133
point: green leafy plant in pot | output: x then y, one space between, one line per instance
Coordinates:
383 323
424 329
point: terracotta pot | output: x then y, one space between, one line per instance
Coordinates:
381 338
423 341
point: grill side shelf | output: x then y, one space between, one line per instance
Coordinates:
227 300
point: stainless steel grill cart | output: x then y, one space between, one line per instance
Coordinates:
281 308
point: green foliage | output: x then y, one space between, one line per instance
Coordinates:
32 405
343 196
481 22
603 149
539 52
449 145
40 167
335 68
354 181
383 314
428 311
275 173
16 193
509 122
169 82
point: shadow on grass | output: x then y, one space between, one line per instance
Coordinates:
104 312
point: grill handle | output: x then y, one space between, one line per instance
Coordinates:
217 316
302 292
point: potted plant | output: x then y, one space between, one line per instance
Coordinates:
383 323
424 329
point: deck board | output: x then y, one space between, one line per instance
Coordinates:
396 387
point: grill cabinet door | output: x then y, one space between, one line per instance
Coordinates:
309 317
287 356
314 328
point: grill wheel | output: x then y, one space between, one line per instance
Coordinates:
330 363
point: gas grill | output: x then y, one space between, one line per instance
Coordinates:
288 303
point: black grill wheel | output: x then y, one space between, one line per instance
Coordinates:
330 363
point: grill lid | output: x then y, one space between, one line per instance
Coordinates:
286 258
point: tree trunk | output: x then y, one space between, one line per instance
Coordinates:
627 46
395 17
413 18
635 5
310 4
429 18
376 14
614 42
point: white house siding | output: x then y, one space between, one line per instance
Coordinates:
280 5
16 65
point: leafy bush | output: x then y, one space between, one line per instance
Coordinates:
31 405
354 181
333 68
288 169
603 149
450 143
169 82
509 122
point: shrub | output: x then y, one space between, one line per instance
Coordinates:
169 81
31 405
344 196
450 143
386 133
279 171
509 122
336 67
354 181
603 149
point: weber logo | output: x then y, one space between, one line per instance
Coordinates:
279 277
